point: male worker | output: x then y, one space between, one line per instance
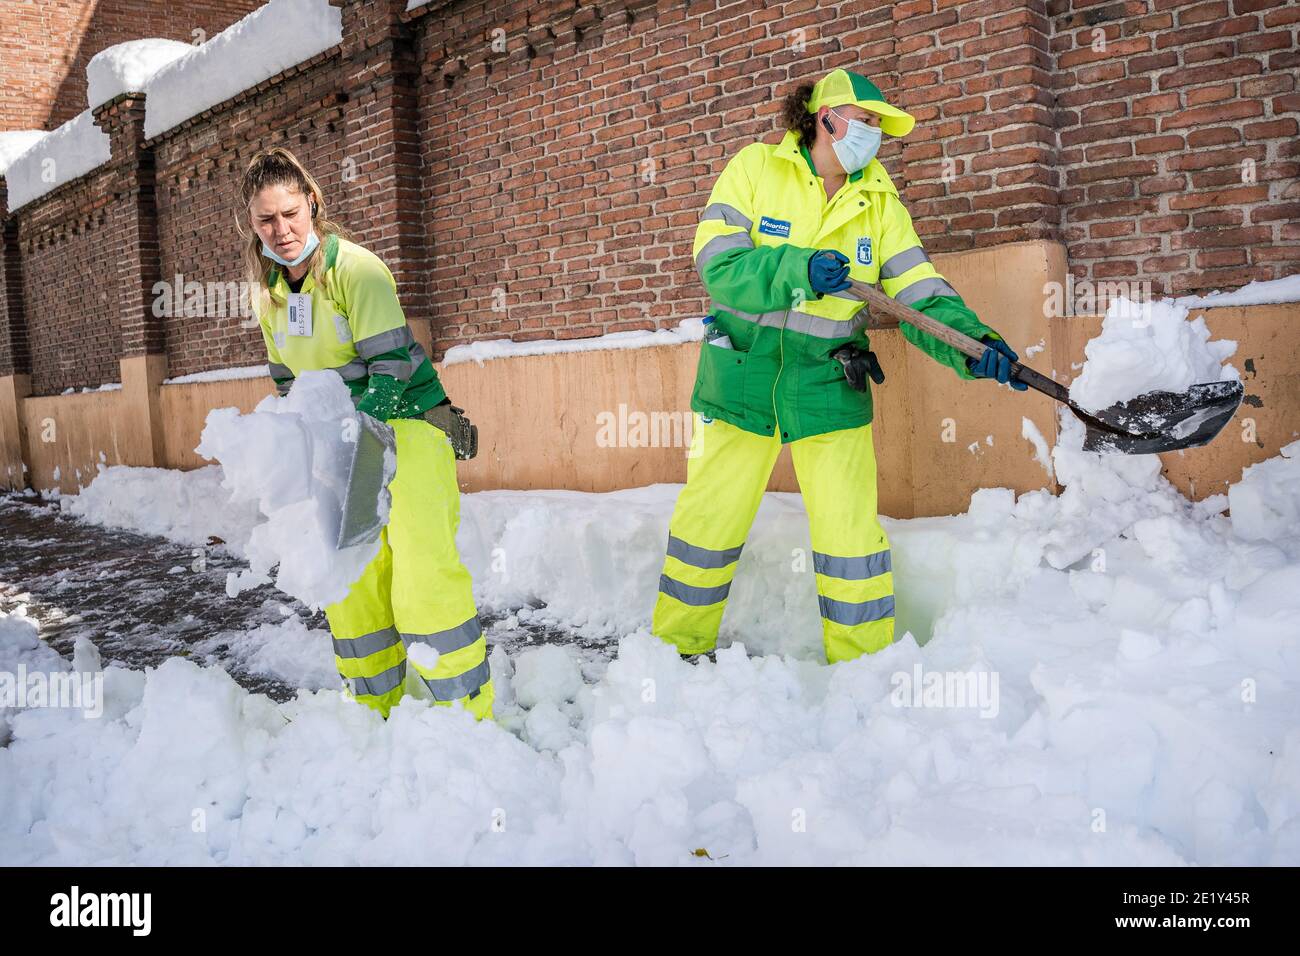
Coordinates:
786 360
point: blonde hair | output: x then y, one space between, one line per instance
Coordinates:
277 166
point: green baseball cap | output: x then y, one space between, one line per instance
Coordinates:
841 88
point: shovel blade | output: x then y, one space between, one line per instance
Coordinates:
368 476
1162 421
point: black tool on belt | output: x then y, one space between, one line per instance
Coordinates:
858 365
462 433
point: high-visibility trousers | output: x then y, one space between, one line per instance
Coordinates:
415 591
726 474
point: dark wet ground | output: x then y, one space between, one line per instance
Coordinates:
142 599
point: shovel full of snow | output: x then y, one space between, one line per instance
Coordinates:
1145 425
369 472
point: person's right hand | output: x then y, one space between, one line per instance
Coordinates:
828 271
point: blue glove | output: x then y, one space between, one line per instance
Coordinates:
828 271
996 363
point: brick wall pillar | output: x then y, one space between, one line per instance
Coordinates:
135 236
383 205
981 163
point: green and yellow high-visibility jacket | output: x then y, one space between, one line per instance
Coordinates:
358 330
766 217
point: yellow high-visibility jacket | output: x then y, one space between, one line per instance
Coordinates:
766 216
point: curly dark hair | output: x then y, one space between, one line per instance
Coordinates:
795 115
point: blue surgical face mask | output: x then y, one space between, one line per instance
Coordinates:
858 146
307 249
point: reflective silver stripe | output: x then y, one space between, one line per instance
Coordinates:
900 262
923 288
728 214
452 639
853 569
696 597
843 612
382 342
395 367
822 327
381 684
417 356
454 688
814 325
355 369
279 371
366 644
699 557
732 240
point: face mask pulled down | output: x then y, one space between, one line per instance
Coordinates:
307 249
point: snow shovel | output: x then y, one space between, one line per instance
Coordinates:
1144 425
368 477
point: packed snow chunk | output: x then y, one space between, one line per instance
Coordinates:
1145 347
274 37
128 67
1257 292
1265 504
58 157
290 456
1029 431
422 655
547 674
16 142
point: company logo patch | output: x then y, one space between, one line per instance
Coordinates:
864 250
774 227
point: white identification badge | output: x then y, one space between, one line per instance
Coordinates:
299 314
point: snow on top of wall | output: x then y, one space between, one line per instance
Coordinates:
60 156
15 143
688 330
220 375
1253 293
272 38
128 67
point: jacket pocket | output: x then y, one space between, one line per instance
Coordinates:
720 379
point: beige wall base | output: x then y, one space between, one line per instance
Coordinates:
14 389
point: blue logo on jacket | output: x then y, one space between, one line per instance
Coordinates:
864 250
774 227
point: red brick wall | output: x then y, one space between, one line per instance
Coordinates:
1179 139
46 44
72 304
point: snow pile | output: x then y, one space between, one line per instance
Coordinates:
274 37
187 507
1148 346
13 144
688 330
58 157
128 67
1110 676
290 455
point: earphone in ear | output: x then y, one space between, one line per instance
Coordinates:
827 123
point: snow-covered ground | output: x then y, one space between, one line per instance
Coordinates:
1108 676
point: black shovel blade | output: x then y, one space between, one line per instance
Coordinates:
1162 421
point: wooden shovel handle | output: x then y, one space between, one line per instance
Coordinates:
878 302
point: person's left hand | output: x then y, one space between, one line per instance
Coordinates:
996 363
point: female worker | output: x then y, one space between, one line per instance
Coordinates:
346 317
786 360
